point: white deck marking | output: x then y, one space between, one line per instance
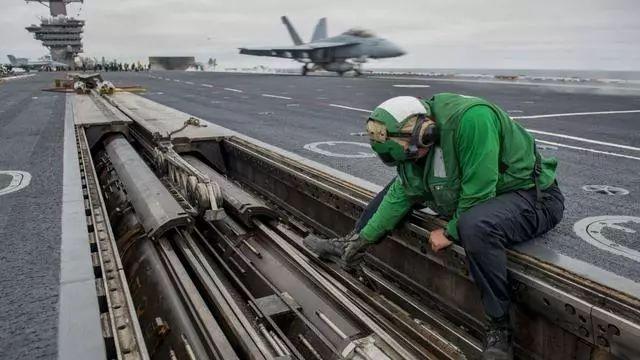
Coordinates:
188 82
16 77
516 83
315 147
176 80
591 230
588 150
576 138
576 114
626 147
207 85
276 96
349 108
19 180
234 90
606 189
411 86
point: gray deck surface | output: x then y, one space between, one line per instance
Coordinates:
31 133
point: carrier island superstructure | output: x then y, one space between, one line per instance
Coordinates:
60 33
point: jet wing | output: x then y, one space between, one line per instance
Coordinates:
295 51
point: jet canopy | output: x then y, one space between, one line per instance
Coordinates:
359 32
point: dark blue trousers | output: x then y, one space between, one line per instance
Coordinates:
487 229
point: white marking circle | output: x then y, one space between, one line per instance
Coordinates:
19 180
590 230
605 189
315 147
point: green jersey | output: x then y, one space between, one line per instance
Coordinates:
481 153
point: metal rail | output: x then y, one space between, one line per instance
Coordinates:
213 287
553 305
318 274
558 314
120 324
427 330
175 317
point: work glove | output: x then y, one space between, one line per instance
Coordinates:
354 252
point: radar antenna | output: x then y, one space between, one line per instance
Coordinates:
56 7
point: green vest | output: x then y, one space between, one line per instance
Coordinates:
438 181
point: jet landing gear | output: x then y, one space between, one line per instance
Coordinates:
357 69
305 70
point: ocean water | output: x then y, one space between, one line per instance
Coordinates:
534 74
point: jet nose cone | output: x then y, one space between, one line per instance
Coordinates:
397 50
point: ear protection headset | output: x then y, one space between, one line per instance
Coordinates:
423 135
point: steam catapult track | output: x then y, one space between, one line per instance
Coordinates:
196 236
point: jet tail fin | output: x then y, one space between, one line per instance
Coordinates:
12 59
292 31
320 32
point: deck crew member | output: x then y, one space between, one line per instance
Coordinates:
465 158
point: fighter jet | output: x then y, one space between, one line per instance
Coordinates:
28 65
341 53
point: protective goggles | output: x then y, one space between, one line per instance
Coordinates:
378 132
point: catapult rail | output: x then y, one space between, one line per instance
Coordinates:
227 287
241 284
557 314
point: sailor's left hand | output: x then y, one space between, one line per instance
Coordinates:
438 240
354 252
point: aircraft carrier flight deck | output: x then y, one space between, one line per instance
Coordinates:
593 133
308 131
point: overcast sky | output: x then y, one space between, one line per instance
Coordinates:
539 34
